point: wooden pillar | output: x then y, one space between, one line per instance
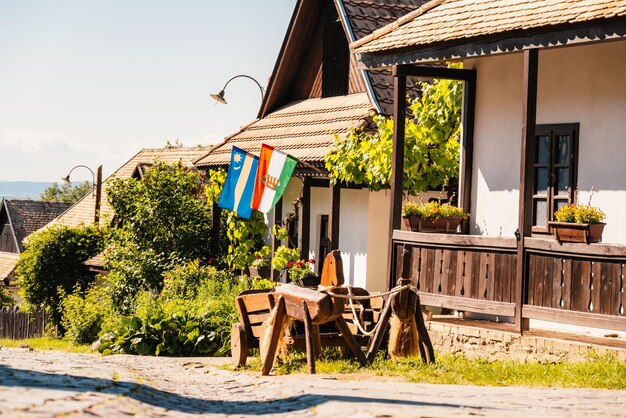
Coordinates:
397 165
216 214
333 216
98 186
278 214
529 118
305 222
467 148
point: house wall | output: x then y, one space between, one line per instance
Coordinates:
583 84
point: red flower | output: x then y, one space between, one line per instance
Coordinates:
312 261
258 257
290 265
212 260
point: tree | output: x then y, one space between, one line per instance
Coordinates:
6 301
161 221
66 192
431 144
52 265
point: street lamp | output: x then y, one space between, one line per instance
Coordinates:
97 187
219 97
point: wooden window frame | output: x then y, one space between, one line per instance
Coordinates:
551 197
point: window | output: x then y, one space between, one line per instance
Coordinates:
336 55
324 244
554 171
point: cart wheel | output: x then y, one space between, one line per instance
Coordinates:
238 345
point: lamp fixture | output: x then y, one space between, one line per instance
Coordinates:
219 97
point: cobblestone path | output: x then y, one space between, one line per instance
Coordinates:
48 384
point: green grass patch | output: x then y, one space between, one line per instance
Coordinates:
601 372
46 343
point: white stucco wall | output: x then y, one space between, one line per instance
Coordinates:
379 206
583 84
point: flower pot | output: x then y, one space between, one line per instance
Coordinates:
310 280
573 232
444 225
263 272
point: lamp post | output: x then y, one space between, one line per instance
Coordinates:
219 97
97 187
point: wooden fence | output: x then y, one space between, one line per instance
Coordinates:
18 325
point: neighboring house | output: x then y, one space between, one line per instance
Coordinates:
18 219
317 91
545 113
83 211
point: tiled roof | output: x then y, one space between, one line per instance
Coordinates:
83 211
27 216
363 18
7 264
304 129
445 20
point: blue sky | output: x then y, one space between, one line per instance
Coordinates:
92 82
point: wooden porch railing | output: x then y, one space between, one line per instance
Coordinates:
570 283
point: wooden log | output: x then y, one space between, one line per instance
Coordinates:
375 343
238 345
269 354
318 341
310 339
353 345
426 346
321 307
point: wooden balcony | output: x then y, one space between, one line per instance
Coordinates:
569 283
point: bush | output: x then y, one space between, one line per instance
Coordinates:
86 313
6 301
52 265
191 316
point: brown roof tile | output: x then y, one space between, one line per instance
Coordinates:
27 216
443 20
83 211
304 129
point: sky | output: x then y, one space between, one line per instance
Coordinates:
92 82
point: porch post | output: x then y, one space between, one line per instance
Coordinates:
98 186
529 119
305 223
278 214
397 165
334 195
467 147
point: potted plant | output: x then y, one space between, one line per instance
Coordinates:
433 217
301 273
262 264
578 223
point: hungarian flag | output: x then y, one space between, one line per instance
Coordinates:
275 168
237 191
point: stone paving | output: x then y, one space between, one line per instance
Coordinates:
55 384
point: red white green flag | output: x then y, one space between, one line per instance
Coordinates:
274 172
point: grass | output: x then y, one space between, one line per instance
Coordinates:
45 343
597 372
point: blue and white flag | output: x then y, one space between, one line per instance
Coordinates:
239 186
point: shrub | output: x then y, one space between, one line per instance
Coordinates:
6 301
52 262
191 316
86 313
433 210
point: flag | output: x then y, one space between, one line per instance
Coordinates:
237 191
275 168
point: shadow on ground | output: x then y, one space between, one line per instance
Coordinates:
10 377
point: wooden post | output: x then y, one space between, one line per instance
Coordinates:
98 186
278 213
467 148
267 357
305 223
397 165
333 216
529 118
309 336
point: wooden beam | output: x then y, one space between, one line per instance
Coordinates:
467 304
334 197
98 186
617 323
435 72
529 118
397 166
305 222
467 147
278 213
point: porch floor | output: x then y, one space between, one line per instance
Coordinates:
498 339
